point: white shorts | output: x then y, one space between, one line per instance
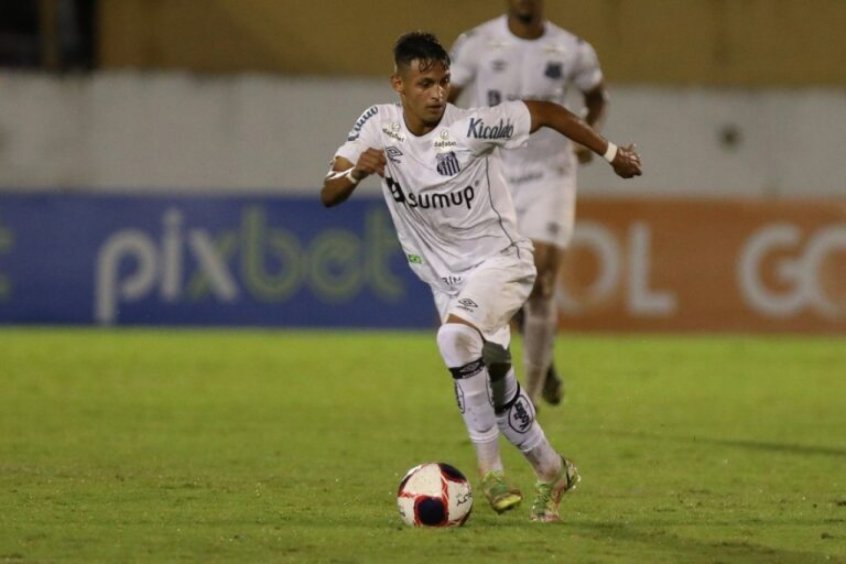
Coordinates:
491 293
546 207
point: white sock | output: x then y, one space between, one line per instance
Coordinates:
461 349
515 417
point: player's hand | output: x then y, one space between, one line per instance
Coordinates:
371 161
627 162
583 154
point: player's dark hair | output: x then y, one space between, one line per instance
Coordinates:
422 46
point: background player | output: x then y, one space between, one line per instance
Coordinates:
521 56
446 193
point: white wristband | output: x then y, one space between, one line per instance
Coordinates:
350 176
610 152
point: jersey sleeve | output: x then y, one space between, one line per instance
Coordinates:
363 135
587 74
506 125
463 57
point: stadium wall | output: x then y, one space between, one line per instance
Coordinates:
130 132
175 199
746 43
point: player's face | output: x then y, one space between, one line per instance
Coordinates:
423 90
525 10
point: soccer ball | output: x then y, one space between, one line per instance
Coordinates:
434 495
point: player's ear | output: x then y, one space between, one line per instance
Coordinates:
396 83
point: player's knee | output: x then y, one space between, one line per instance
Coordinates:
461 347
494 353
497 358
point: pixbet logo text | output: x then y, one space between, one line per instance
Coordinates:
267 263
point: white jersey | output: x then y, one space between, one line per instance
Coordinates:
504 67
445 190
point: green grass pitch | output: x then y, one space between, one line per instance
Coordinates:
283 446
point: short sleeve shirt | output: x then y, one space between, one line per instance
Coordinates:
495 66
446 190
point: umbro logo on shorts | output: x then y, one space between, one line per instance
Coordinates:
468 303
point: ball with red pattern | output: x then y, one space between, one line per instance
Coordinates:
434 494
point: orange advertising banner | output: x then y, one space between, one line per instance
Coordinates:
706 265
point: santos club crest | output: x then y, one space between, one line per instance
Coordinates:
447 164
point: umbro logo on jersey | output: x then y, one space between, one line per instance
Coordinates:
447 164
502 130
498 65
393 154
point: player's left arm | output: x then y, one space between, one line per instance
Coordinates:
596 106
625 160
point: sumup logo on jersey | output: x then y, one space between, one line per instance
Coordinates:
456 198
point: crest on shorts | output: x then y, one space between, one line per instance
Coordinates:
447 164
553 70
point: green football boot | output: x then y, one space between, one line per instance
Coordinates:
499 493
548 494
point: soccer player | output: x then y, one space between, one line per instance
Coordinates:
521 56
444 186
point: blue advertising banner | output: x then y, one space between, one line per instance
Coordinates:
265 261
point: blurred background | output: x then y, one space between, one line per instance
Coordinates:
160 163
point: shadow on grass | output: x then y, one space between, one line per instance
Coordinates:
791 448
690 550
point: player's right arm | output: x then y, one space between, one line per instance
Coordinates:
344 176
355 160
